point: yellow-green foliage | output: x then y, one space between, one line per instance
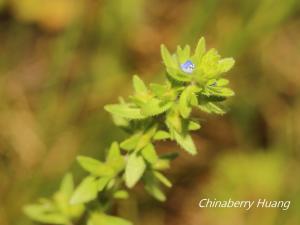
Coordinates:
154 112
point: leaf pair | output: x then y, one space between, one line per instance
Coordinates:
152 181
100 174
178 128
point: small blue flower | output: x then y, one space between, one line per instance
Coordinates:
187 67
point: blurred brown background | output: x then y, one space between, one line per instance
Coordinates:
62 60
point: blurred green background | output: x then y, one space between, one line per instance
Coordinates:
62 60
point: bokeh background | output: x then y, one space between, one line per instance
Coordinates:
62 60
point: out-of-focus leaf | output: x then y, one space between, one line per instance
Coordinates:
102 182
186 100
162 179
200 50
162 164
94 166
86 191
67 185
161 135
139 85
121 194
152 187
104 219
155 107
186 142
125 111
44 214
225 65
114 158
183 54
193 125
210 107
149 154
134 169
131 142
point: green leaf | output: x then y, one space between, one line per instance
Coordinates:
173 121
225 65
226 92
86 191
169 61
67 185
130 143
149 154
104 219
222 82
218 91
120 121
158 89
62 197
121 194
113 152
146 137
102 183
210 107
161 135
193 125
186 142
210 64
186 98
200 49
114 158
43 214
94 166
152 187
134 169
162 164
155 107
111 183
183 54
139 85
162 179
124 111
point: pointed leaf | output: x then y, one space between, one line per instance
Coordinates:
155 107
102 182
152 187
131 143
161 135
210 107
162 179
124 111
200 48
225 65
186 142
167 58
162 164
139 85
86 191
114 158
67 185
42 214
149 154
94 166
134 169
